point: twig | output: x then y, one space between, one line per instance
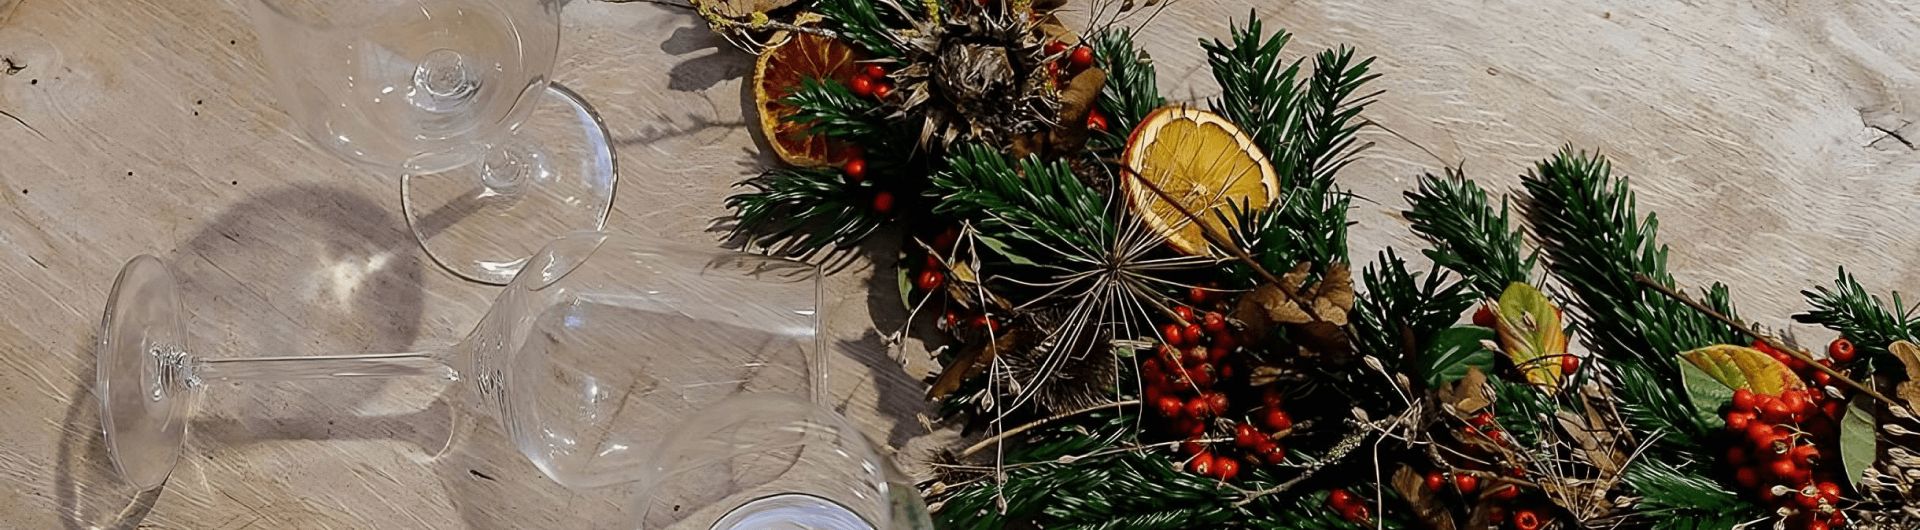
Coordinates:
1770 341
23 123
1043 421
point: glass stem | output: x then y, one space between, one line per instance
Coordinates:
297 368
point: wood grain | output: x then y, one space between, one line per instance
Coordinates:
1774 139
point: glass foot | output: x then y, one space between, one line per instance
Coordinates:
554 175
143 403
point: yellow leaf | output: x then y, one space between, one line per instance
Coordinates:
1531 334
1742 367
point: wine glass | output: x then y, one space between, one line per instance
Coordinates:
600 353
495 159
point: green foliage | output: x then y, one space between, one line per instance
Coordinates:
1299 225
798 212
1682 499
1453 351
1468 236
1131 91
862 22
833 110
1862 318
1596 243
1402 312
1043 206
1306 128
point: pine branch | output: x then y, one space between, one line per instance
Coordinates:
1862 318
1399 306
833 110
797 212
1306 128
1468 236
1131 91
1043 205
1676 499
861 22
1595 242
1300 225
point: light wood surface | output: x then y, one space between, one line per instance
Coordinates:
1772 137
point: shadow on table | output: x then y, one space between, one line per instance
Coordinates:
300 270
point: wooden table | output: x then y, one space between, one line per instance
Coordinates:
1773 138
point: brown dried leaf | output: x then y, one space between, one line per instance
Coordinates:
974 361
1076 102
1909 355
1469 394
1427 506
1264 375
1318 311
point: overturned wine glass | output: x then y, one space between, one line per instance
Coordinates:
697 373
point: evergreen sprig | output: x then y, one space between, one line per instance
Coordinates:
798 212
1400 306
1468 235
1596 243
1299 225
1861 317
1673 499
862 22
1131 91
831 109
1306 128
1041 204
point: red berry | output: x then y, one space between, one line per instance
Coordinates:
1840 350
1481 420
1357 514
1217 354
1197 294
1340 499
883 202
1273 453
861 85
856 169
1224 340
1785 470
1225 468
1277 419
945 241
1525 519
875 71
1776 412
1082 57
1272 398
1169 406
1795 402
1569 364
1805 456
929 280
1192 446
1484 317
880 90
1055 47
1171 334
1186 315
1096 121
1194 356
1192 333
1198 408
1467 483
1247 437
1746 477
1739 421
1436 481
1202 464
1818 525
1743 400
1214 323
1217 402
1821 378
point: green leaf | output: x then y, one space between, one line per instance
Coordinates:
1708 394
1857 438
906 287
1004 250
1453 351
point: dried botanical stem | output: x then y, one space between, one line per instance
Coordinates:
1774 343
983 444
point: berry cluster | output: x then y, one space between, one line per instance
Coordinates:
1777 452
1351 507
1183 387
871 81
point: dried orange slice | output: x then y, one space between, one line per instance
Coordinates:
778 74
1203 162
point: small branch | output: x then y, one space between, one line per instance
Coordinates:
1023 428
1770 341
23 123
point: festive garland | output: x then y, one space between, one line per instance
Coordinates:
1151 311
